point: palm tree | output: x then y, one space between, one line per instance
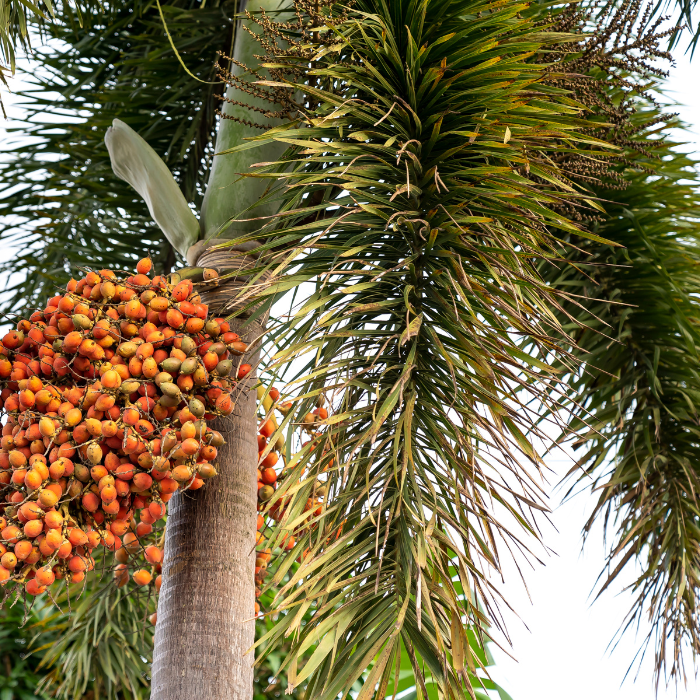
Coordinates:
438 206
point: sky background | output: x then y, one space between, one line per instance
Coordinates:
561 639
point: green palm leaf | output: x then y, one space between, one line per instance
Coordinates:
429 148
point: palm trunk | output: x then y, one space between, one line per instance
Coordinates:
206 605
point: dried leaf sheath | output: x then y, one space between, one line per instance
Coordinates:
419 284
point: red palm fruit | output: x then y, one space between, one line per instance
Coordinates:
53 539
93 427
57 469
206 470
194 325
267 428
182 473
146 517
111 379
237 347
142 481
32 511
269 476
210 360
23 549
190 446
109 428
153 555
243 371
159 304
45 549
72 417
168 485
144 529
33 587
94 539
77 537
111 461
47 427
144 428
143 266
188 430
38 462
156 510
108 494
130 416
48 498
270 460
119 527
104 402
108 290
77 564
90 502
53 519
10 533
33 480
174 318
45 576
131 542
195 484
8 560
122 488
108 508
224 404
66 304
182 290
98 472
274 394
132 308
121 575
94 454
125 472
33 528
64 551
142 577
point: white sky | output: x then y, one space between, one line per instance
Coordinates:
563 654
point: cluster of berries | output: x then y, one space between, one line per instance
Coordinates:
107 393
269 475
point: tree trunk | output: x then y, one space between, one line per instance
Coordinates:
206 604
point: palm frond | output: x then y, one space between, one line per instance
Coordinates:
635 404
102 642
428 143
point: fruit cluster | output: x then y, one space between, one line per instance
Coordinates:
268 477
107 393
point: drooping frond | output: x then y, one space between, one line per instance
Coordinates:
428 145
99 645
636 401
